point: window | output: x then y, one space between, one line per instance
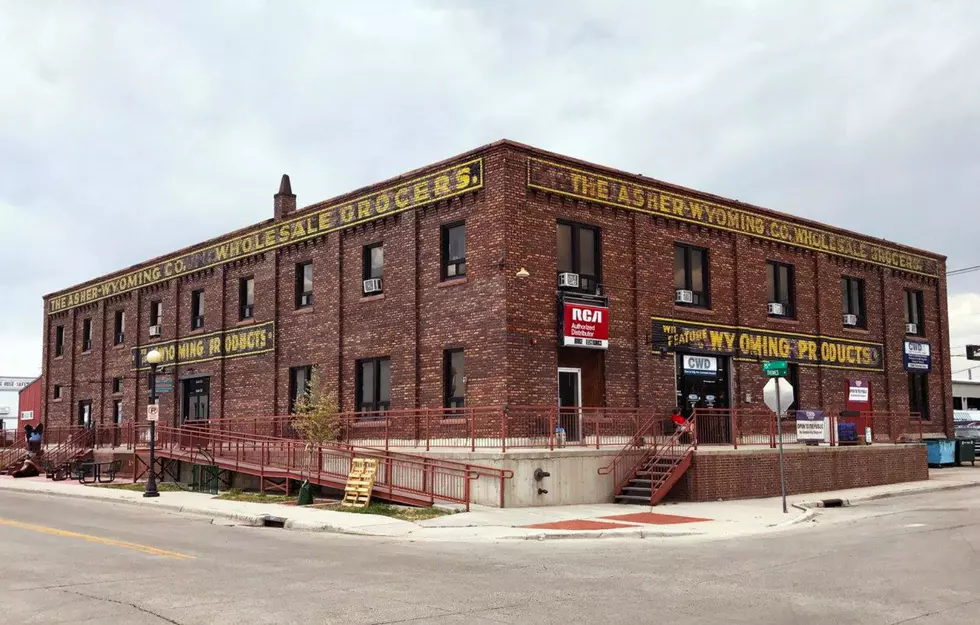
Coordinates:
578 252
691 273
57 391
374 264
117 411
117 385
453 251
304 285
454 379
793 376
373 384
782 287
246 298
119 331
156 313
85 413
913 312
957 403
852 296
299 383
59 341
919 394
197 309
87 335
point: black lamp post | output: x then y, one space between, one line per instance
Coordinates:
153 358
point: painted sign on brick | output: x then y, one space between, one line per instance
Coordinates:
593 187
235 343
314 222
677 335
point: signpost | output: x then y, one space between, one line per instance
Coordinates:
153 412
778 392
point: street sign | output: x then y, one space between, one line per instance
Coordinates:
973 352
164 385
775 368
779 396
153 412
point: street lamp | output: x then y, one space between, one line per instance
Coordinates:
153 358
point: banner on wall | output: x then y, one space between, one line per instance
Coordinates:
917 357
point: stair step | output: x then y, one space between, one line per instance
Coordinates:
632 489
632 499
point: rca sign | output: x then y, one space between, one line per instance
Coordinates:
585 326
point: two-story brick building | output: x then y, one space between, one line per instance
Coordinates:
508 275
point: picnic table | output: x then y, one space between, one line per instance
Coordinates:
91 472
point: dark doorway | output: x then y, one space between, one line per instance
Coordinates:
703 383
570 402
196 402
85 413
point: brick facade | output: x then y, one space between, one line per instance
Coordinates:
505 324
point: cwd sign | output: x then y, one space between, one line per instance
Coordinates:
584 325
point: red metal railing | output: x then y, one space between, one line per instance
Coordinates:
651 438
400 477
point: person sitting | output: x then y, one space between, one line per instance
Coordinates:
28 469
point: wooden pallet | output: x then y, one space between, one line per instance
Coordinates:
360 482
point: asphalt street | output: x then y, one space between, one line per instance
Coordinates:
903 560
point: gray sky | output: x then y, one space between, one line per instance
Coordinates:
129 129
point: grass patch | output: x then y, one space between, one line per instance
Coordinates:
236 494
404 513
139 486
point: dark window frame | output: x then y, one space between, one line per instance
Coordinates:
59 341
197 309
156 313
56 392
450 396
117 386
919 394
117 411
294 393
82 404
119 327
246 301
458 265
585 279
86 335
376 405
304 298
705 294
847 303
367 267
773 268
915 311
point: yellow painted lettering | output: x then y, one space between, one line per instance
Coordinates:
401 198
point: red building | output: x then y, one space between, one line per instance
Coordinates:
508 275
29 404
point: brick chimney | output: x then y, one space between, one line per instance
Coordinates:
285 200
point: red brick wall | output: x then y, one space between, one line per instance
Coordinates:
747 474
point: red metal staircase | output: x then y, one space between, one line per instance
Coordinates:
646 470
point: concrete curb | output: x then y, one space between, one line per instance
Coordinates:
823 503
597 534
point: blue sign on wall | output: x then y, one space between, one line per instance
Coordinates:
917 357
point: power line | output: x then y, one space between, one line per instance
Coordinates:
960 272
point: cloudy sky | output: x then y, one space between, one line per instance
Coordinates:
129 129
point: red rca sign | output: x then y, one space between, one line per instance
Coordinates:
585 326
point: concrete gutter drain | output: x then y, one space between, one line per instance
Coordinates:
273 521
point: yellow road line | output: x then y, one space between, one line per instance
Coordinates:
153 551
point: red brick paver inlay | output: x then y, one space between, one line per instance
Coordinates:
578 524
652 518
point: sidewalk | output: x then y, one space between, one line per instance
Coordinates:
695 521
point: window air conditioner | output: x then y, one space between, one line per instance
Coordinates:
154 330
197 323
911 328
776 309
683 296
568 280
120 338
247 312
850 320
372 286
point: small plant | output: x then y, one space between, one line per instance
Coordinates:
317 420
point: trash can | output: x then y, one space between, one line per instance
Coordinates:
940 452
966 451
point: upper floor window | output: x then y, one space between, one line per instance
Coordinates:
57 391
156 316
782 291
852 298
578 253
691 275
454 380
117 385
299 384
374 264
59 341
914 314
453 251
119 328
246 298
304 284
197 309
373 384
87 335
